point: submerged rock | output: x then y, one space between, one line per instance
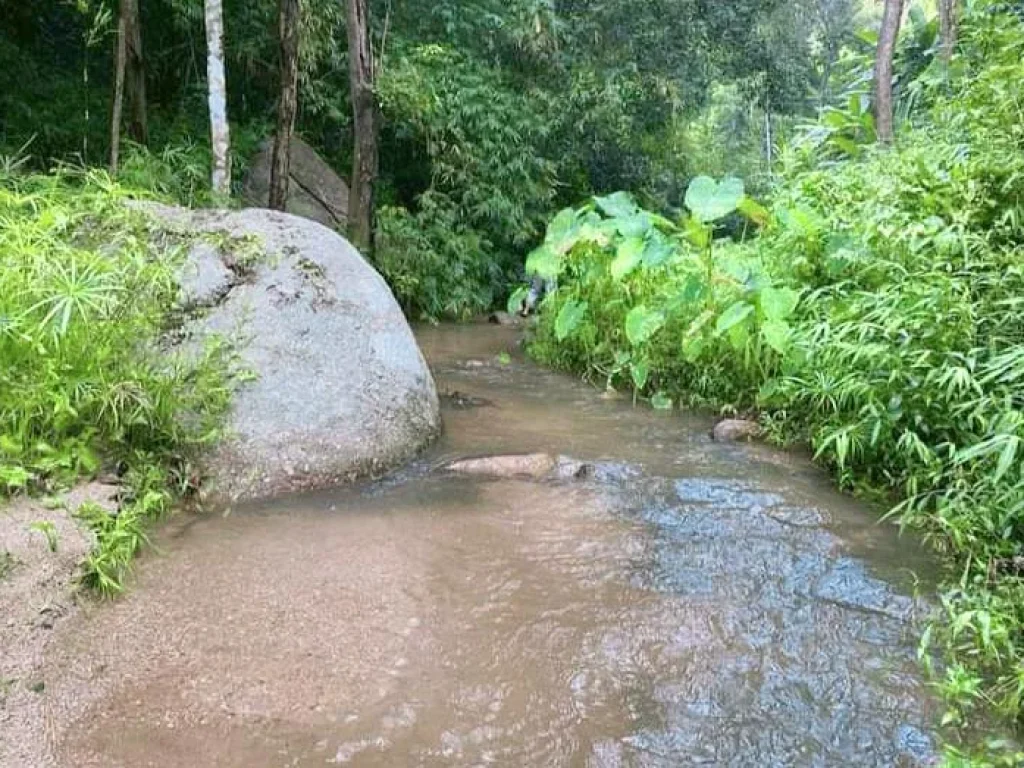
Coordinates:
463 401
504 319
340 389
536 466
736 430
315 190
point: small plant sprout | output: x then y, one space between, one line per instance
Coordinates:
49 532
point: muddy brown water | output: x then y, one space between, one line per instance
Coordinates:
691 604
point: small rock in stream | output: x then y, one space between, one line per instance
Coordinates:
536 466
504 319
464 401
736 430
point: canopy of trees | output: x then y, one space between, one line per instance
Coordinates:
489 113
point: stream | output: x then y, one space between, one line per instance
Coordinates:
690 603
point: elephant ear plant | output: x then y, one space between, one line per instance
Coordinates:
642 296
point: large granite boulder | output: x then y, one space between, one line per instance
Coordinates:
341 388
315 191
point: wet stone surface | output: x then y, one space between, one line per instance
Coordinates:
687 603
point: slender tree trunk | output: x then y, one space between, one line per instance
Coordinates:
135 72
85 93
831 54
288 103
216 84
364 112
824 94
891 20
949 22
115 112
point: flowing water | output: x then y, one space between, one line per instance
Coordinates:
691 603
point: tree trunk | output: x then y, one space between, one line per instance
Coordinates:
216 84
949 22
831 56
890 32
115 112
364 113
135 72
287 105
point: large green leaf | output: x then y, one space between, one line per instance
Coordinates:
692 348
642 323
692 291
569 317
515 301
834 118
805 221
710 200
693 340
846 144
637 225
738 336
699 235
640 372
733 316
778 334
594 229
617 205
778 303
627 257
659 249
563 232
545 262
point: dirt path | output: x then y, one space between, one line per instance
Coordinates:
36 598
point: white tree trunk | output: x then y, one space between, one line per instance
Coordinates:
220 139
120 55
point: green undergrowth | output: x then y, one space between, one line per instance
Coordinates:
86 384
876 312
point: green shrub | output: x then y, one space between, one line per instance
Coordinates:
485 192
434 263
84 380
180 172
661 306
179 169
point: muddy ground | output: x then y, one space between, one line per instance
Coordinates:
42 547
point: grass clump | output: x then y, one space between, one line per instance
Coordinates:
8 563
85 380
878 316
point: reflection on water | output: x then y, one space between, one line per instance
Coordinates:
691 604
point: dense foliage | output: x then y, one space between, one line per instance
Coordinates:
84 384
494 113
878 314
